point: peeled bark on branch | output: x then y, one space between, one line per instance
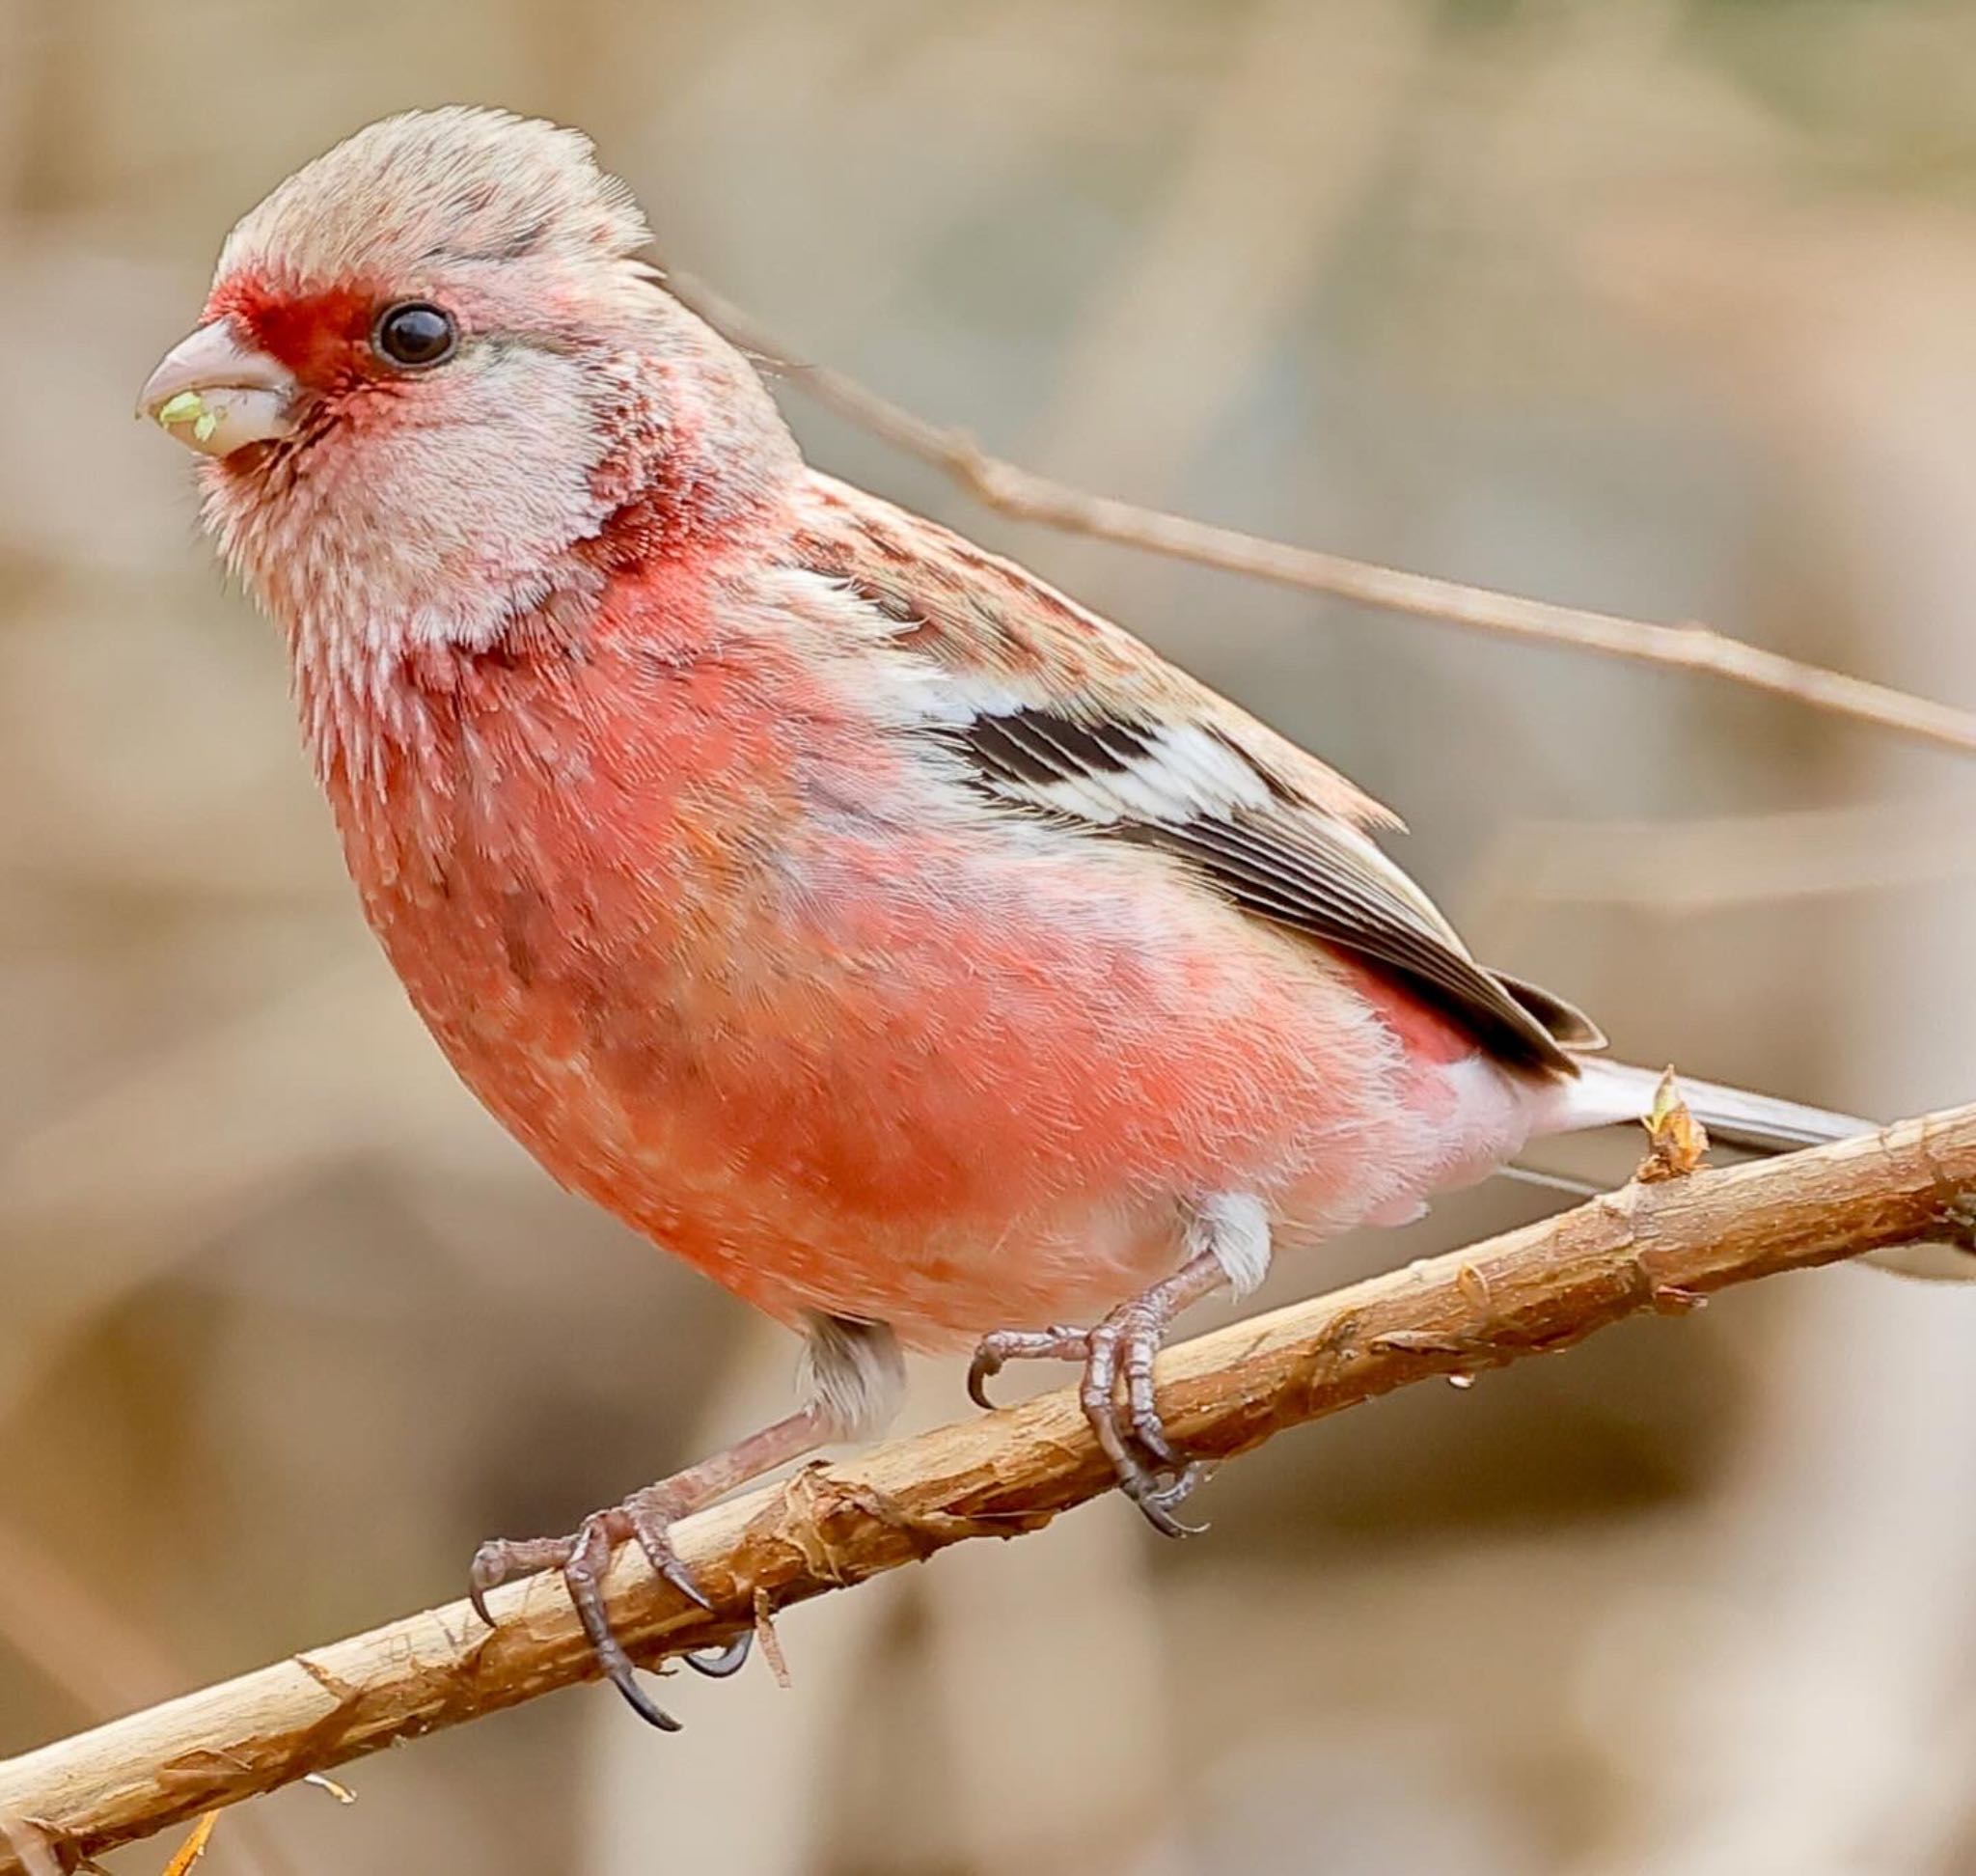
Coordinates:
1658 1246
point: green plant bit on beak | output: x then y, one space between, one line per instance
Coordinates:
187 407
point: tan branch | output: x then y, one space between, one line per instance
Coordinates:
1660 1246
1026 496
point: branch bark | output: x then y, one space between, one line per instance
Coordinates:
1665 1246
1028 496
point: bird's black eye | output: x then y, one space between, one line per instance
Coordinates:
416 333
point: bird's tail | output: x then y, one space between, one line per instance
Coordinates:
1606 1093
1609 1093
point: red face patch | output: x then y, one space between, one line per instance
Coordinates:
319 336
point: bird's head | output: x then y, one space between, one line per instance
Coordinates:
434 385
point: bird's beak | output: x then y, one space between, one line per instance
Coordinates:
217 394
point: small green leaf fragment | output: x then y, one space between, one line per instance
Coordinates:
204 426
186 408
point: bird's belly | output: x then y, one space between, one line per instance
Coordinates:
951 1122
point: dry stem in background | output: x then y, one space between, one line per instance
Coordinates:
1026 496
1662 1246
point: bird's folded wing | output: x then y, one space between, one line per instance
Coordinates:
1059 712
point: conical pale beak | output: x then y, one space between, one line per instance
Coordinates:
217 394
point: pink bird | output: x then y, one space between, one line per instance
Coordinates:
908 949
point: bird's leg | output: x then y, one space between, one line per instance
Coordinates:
853 1369
1232 1235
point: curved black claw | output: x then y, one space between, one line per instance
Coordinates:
993 1353
1157 1501
649 1516
717 1664
641 1703
980 1371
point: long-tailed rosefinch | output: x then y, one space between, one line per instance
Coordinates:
915 953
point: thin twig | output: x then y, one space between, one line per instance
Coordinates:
1028 496
1664 1246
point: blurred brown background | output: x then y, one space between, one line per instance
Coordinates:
1663 308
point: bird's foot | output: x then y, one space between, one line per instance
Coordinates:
1116 1392
647 1518
583 1557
